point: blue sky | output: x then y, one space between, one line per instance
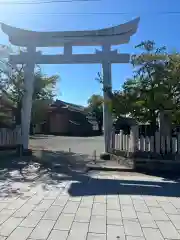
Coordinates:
77 82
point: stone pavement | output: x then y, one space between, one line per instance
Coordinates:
97 206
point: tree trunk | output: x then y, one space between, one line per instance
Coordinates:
100 125
18 113
153 121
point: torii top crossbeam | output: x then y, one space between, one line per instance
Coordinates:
114 36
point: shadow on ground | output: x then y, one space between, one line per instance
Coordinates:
52 168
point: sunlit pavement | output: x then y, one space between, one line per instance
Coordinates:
98 205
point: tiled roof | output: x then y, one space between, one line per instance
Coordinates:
70 106
75 108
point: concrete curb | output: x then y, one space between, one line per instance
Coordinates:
90 167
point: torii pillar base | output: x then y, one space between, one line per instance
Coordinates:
27 152
105 156
23 152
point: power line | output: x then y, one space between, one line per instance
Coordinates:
101 13
43 2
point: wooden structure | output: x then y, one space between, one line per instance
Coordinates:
10 138
70 119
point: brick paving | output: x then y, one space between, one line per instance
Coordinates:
61 202
97 206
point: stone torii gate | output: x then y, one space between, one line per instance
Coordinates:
105 38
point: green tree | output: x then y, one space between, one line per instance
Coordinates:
154 87
148 84
172 86
156 83
95 106
44 92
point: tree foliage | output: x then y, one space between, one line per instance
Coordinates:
95 106
44 91
154 86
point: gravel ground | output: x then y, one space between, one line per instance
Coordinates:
82 145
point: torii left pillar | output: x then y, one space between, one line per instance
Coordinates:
27 97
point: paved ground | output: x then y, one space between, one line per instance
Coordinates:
101 206
83 145
57 200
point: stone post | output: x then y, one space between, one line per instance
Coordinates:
134 138
165 123
112 139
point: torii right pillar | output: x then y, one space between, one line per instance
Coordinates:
107 114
